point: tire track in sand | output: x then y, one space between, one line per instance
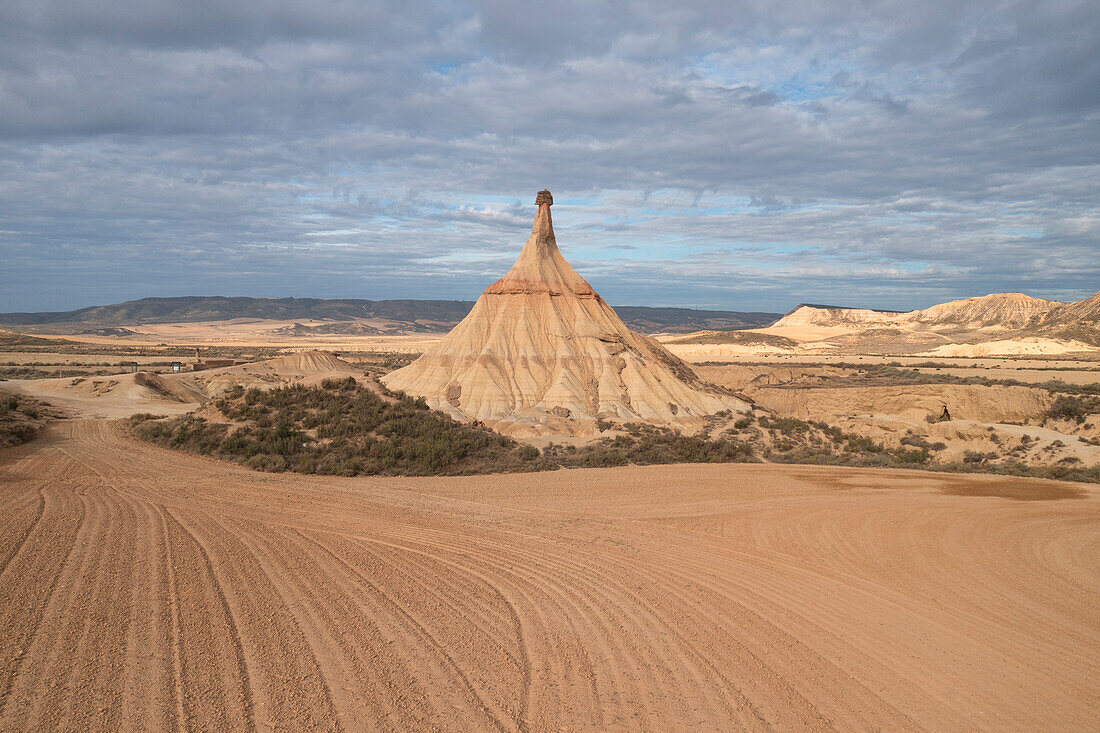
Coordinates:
287 688
492 711
823 607
21 538
30 585
200 659
176 626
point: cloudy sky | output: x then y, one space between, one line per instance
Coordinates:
743 155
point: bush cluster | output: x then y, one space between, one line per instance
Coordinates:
338 428
646 445
342 428
821 443
1068 407
20 418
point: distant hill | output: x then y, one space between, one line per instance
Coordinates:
346 315
1002 315
192 309
1080 320
1003 310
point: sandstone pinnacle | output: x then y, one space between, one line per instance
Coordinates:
542 353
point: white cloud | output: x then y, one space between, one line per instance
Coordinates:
746 155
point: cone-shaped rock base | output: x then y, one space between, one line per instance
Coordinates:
541 353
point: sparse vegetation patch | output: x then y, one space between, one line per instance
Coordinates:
20 418
343 428
1073 407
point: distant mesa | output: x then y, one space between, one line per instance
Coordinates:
542 353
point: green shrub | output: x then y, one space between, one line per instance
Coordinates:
267 462
786 425
912 456
1067 407
972 456
861 444
344 429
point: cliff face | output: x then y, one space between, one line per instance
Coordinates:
542 353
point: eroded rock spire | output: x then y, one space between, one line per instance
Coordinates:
540 266
540 353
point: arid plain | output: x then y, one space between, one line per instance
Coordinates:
188 541
148 589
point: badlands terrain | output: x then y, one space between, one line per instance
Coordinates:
1000 324
143 588
149 588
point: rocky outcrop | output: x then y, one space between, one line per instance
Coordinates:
542 353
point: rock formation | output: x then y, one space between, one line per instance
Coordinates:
1001 323
542 353
1005 311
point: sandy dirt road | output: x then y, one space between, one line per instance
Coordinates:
142 589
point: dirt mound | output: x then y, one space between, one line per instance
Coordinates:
168 388
1078 321
118 395
814 315
541 352
125 394
306 367
1087 311
308 361
999 310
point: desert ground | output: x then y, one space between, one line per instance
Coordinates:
250 333
842 390
147 589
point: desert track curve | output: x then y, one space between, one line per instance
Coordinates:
142 589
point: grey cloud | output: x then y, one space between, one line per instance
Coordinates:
744 154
